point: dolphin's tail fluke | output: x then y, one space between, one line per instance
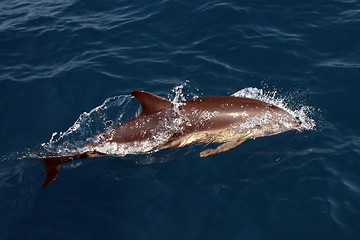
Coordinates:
53 164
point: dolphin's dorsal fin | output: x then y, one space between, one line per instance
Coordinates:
151 103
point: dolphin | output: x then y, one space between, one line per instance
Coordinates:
164 124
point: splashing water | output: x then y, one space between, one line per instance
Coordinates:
89 126
271 97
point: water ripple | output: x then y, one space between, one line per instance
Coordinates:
59 58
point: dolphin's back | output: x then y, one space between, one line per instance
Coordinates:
220 112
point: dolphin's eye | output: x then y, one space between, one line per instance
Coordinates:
297 118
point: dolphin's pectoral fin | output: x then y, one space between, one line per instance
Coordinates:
228 145
222 148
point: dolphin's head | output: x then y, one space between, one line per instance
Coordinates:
277 120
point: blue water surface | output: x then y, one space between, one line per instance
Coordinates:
59 59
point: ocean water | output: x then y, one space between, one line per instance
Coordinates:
66 72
